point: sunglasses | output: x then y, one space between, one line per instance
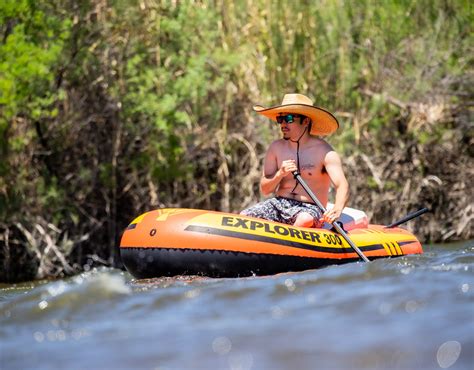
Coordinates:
288 118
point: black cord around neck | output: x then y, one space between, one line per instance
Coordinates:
298 156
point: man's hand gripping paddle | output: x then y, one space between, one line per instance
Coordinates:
338 228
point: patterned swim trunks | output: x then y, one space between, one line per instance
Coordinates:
283 210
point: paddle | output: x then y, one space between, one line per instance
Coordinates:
338 228
408 217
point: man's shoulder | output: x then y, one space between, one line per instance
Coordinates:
277 143
320 144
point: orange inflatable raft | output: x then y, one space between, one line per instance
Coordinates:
168 242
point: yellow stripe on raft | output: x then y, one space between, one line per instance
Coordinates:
399 250
138 219
245 225
311 237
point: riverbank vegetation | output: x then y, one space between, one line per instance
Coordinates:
110 108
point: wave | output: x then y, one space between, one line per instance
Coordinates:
64 297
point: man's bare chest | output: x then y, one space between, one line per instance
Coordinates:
310 161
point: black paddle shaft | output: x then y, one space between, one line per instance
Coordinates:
408 217
338 228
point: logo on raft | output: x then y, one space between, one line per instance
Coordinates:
281 230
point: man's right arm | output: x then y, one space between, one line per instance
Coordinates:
269 184
272 175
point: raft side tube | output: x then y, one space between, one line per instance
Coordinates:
154 262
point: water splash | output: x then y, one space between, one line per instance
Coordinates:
65 297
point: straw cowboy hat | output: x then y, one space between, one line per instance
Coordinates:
324 123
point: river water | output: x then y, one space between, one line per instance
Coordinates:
414 312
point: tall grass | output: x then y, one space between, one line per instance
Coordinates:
125 106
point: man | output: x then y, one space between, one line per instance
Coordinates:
300 149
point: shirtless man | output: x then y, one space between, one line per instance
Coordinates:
300 149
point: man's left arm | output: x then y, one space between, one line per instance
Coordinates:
333 165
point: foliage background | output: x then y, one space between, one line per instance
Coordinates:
109 108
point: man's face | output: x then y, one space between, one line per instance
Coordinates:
292 129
